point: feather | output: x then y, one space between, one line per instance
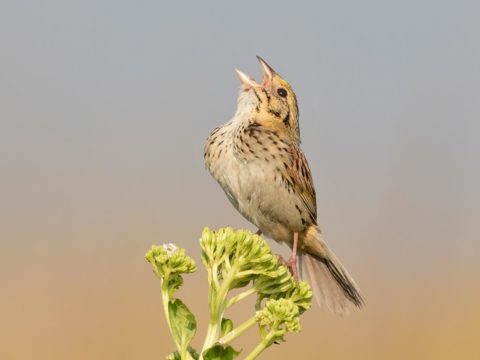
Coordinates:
331 284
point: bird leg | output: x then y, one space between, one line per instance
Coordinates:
279 257
282 260
292 262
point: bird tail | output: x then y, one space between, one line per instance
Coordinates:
331 284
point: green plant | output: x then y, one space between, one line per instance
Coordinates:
233 259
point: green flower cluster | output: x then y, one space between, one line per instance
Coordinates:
279 316
246 253
233 259
169 263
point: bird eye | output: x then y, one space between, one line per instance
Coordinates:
282 92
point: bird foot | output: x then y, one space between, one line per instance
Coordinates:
282 260
291 264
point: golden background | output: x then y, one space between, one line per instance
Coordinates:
104 110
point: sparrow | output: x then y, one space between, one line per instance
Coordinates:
257 160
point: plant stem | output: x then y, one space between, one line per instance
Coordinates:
214 273
166 300
239 330
262 346
240 296
184 354
217 307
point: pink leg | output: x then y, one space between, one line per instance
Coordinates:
283 261
280 258
292 262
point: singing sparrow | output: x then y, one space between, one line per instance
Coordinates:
257 160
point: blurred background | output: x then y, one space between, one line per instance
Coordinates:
105 106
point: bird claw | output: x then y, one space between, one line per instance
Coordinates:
291 264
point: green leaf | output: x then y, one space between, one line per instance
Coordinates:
173 356
227 326
219 352
176 356
240 283
193 353
182 321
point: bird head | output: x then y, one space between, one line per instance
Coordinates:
273 101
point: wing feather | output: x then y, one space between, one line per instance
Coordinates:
301 180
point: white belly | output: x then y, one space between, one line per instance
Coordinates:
258 195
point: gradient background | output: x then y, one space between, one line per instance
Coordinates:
105 106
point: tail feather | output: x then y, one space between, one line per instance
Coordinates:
331 284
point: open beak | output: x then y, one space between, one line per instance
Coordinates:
268 72
246 81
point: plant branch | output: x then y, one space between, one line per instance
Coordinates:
262 346
239 330
217 307
233 300
166 300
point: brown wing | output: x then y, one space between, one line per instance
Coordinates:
301 180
